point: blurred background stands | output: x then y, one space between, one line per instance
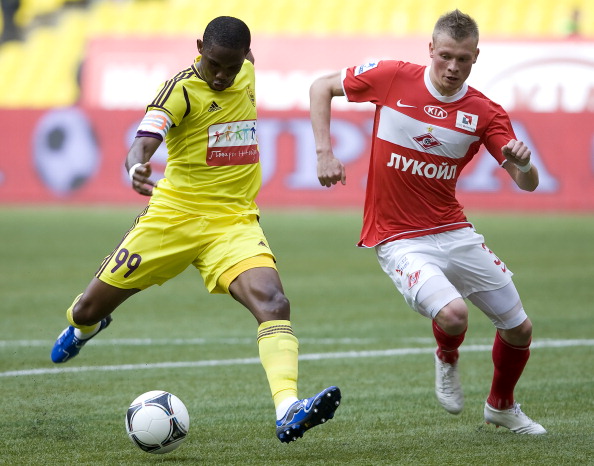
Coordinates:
43 41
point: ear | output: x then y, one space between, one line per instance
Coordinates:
476 55
199 45
431 49
250 56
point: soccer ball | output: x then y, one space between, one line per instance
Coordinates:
157 422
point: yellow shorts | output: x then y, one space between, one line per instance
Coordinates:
163 242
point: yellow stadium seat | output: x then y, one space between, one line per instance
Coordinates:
30 9
62 44
10 62
586 18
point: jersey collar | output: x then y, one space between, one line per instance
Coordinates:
442 98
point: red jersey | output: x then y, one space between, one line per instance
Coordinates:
421 142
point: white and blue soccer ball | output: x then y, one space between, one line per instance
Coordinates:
157 422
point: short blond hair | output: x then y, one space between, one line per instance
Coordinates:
457 25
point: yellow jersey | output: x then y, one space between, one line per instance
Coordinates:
213 166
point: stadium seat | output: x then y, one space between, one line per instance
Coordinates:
62 40
29 10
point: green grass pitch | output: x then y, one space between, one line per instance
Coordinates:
355 331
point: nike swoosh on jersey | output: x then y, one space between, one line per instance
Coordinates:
400 104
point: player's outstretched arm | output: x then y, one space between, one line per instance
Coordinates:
519 166
330 169
138 165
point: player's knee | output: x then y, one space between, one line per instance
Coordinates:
85 312
518 336
453 317
277 306
270 303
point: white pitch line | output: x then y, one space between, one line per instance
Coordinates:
181 341
302 357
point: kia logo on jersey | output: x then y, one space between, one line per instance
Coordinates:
435 112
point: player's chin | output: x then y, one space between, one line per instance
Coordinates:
452 83
219 86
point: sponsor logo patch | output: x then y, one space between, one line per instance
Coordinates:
427 141
214 107
466 121
435 112
401 104
363 68
401 265
251 95
232 143
413 278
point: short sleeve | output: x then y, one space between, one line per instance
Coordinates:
370 82
172 98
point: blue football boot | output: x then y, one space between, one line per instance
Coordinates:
67 345
307 413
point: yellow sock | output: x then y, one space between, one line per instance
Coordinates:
82 328
279 350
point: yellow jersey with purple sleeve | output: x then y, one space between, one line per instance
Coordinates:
213 166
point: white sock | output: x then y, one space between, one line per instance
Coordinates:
85 336
284 406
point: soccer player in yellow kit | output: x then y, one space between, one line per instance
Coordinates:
204 213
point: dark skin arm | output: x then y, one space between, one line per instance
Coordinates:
141 151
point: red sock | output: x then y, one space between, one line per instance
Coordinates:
447 345
509 362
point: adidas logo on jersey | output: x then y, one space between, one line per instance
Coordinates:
214 107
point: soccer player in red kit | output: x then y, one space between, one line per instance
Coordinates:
428 126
